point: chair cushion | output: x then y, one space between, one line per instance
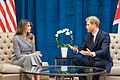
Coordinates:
9 68
115 70
45 64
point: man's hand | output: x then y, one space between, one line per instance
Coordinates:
87 53
74 48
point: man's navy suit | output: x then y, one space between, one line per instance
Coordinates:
101 48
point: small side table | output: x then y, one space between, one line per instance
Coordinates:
58 58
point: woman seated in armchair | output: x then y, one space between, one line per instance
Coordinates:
24 47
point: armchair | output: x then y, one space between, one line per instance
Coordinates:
115 53
7 70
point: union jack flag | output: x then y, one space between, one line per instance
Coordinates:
117 17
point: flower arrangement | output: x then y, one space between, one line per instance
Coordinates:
68 33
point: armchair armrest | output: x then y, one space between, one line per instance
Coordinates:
44 63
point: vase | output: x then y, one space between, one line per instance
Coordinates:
64 51
64 68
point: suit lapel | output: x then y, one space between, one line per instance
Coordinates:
25 41
97 37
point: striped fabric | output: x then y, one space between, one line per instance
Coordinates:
117 17
7 16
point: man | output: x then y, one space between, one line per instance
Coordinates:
96 48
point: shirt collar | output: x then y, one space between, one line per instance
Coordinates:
95 34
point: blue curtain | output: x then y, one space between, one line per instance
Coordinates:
48 16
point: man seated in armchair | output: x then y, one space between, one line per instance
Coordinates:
96 45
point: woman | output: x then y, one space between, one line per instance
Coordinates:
24 46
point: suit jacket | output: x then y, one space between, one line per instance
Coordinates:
22 47
101 48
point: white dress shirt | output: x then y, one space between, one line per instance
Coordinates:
95 34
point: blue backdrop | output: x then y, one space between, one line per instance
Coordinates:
48 16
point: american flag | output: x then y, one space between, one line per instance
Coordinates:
7 16
117 17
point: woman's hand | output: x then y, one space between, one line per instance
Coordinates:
38 53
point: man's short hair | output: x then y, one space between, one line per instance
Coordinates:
93 20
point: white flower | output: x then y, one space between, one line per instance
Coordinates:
64 30
59 32
70 32
67 33
56 35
